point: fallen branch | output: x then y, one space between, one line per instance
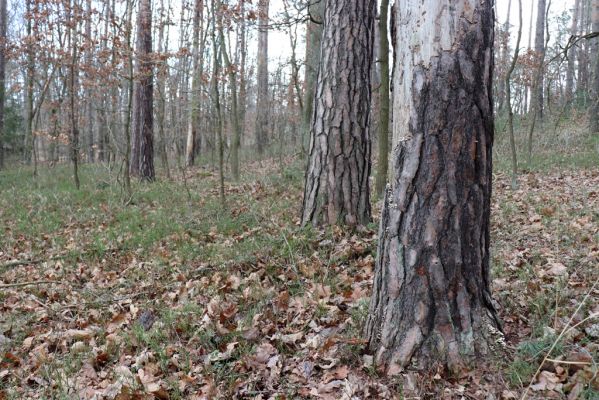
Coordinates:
21 284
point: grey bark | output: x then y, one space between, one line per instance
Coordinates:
431 301
2 76
262 114
312 59
540 52
594 111
572 57
337 186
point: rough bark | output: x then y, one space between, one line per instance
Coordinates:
2 76
431 298
594 111
144 94
571 57
262 90
337 187
383 123
540 52
312 59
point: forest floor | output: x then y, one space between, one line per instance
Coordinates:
173 297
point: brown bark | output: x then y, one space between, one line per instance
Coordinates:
337 187
262 99
143 118
431 300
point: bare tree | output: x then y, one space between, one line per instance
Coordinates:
2 76
262 91
594 111
194 115
431 298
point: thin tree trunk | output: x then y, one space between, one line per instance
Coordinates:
234 106
571 56
505 32
2 76
160 80
431 300
193 125
313 38
337 177
73 74
540 52
30 79
262 113
508 92
89 126
216 99
594 111
383 125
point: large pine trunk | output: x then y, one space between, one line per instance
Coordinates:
431 298
337 187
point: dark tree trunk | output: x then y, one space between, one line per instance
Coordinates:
337 187
262 99
431 298
143 126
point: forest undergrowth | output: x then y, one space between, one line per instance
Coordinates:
171 296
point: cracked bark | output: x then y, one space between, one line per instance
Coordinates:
337 187
431 298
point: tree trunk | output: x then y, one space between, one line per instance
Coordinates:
508 98
29 135
504 50
337 187
89 126
242 62
73 114
262 99
431 299
383 125
583 81
2 76
216 67
571 56
540 53
313 38
144 94
594 112
194 114
234 109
